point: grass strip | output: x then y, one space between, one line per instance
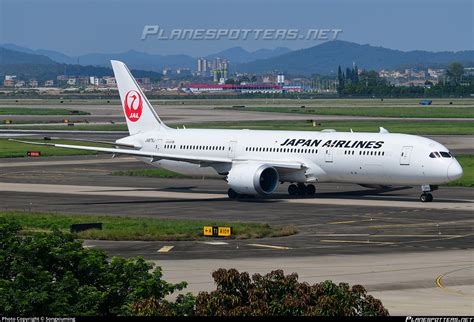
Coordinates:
417 128
39 111
371 111
140 228
467 164
405 126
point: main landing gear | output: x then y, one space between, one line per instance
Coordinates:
301 189
426 196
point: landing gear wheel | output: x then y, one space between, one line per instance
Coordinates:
232 194
310 190
426 197
292 190
301 189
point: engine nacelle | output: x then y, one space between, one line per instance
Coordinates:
253 179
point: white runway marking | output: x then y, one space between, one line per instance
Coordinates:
270 246
165 249
215 243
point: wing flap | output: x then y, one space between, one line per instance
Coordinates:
154 155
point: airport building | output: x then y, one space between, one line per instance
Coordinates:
242 88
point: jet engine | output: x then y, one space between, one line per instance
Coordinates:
253 179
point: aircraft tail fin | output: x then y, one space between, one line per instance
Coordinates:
139 114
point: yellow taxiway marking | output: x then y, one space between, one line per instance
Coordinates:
165 249
451 291
441 286
350 221
342 222
438 281
270 246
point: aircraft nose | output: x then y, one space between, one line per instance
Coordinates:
454 171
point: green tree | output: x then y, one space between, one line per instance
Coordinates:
51 274
282 295
455 71
340 79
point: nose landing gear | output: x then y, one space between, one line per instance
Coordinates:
426 196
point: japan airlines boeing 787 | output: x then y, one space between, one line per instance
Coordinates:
255 162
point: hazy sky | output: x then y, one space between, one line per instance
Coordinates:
78 27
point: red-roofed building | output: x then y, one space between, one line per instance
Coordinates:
241 88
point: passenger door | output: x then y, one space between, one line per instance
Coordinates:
232 147
158 145
405 155
329 155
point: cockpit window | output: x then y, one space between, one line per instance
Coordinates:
440 155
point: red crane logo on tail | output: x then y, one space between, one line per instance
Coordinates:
133 105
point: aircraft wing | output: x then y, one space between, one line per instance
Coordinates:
124 145
155 156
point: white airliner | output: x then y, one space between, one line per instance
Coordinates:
256 162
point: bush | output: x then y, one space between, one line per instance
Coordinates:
276 294
51 274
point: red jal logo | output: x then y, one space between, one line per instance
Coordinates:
133 105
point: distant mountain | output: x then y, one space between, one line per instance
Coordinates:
134 59
139 60
11 57
57 56
238 55
326 57
28 66
154 62
320 59
53 55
